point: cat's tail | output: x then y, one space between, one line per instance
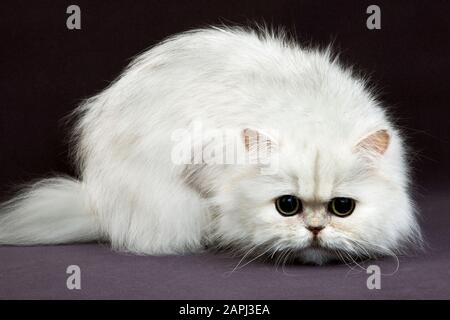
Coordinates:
50 211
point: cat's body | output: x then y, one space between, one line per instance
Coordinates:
328 135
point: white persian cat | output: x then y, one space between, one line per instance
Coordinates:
331 182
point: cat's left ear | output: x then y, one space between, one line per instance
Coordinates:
374 144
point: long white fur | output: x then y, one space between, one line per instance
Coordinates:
132 194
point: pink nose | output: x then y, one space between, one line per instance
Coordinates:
315 230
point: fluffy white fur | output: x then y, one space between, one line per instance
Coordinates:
131 193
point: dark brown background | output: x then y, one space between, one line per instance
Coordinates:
46 70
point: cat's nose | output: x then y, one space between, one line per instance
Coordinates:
315 229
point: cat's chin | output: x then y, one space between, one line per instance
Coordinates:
316 255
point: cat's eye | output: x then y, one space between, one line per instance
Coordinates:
288 205
341 207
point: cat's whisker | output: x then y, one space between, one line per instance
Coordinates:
289 255
352 261
343 254
391 253
237 267
278 258
242 259
355 262
353 249
359 247
383 251
286 257
275 249
341 257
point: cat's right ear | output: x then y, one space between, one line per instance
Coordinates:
259 146
255 140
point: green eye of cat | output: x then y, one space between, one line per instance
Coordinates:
288 205
341 207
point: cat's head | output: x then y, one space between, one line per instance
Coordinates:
329 197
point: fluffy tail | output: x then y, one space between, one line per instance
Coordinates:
50 211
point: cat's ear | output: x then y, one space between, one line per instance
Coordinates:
255 140
260 149
375 143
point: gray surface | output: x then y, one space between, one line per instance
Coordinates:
39 272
